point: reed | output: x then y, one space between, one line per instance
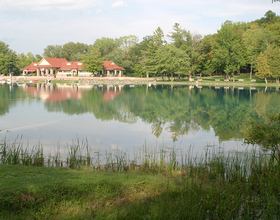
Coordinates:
160 159
217 184
15 154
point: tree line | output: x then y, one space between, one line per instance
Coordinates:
238 47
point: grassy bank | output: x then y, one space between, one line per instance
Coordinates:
241 79
154 185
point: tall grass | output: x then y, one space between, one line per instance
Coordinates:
216 163
214 185
15 154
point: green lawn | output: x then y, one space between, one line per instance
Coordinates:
213 80
60 193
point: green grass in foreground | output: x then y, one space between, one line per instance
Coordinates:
217 185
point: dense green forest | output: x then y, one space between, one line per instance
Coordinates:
240 47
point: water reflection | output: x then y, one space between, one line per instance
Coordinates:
53 93
62 92
175 112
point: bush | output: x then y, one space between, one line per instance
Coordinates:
266 135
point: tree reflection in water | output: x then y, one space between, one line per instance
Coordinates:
178 109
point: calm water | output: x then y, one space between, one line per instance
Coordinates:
127 117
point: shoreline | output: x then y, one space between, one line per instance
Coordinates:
129 80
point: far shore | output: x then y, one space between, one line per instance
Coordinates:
75 78
128 80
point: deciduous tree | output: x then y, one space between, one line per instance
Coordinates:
273 58
263 69
92 61
229 53
171 60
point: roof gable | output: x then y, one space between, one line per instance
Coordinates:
110 65
44 62
52 62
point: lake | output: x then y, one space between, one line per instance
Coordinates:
128 117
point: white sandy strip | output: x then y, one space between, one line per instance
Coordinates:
31 126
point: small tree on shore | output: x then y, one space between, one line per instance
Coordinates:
263 69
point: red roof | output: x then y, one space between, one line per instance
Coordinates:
110 65
71 65
63 64
54 62
31 67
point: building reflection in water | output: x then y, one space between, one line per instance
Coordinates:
62 92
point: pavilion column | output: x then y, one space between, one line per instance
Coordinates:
51 70
108 73
38 72
120 73
47 72
115 73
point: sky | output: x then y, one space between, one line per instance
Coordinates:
32 25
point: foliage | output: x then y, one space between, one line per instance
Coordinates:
229 53
52 51
92 61
273 58
256 40
106 45
266 134
70 51
158 37
8 60
180 37
171 60
263 69
269 18
189 43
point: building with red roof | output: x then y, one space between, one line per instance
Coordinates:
32 68
72 68
111 69
62 67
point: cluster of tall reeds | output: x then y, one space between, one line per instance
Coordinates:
216 163
15 154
